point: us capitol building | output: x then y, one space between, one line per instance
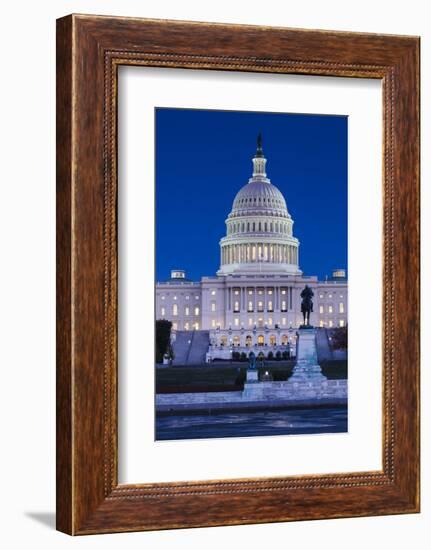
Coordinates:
254 299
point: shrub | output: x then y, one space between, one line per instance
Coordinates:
163 338
236 355
278 355
285 355
243 356
270 355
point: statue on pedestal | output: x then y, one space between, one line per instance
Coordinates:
307 304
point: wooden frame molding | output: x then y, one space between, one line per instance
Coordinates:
89 51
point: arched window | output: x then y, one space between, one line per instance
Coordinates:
272 340
248 341
236 340
260 340
284 340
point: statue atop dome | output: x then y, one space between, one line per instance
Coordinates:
259 151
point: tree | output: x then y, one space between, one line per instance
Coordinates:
163 339
339 338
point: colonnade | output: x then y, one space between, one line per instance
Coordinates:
259 252
248 299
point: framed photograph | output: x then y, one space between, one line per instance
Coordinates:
237 274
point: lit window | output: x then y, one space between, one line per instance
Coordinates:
236 322
269 320
320 309
213 292
197 297
260 292
250 306
341 307
270 292
341 295
283 291
187 326
250 292
330 296
236 306
250 322
341 322
270 306
163 311
236 292
213 306
330 323
175 309
187 297
163 297
196 311
259 306
175 326
213 323
321 323
330 309
321 296
175 297
283 305
196 326
283 320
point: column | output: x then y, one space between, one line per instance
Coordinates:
226 306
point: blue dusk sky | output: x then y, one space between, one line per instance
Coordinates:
203 158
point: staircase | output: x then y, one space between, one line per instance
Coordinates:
199 347
190 347
324 352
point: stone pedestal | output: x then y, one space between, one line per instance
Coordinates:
252 376
307 368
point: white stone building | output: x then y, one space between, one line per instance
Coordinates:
254 299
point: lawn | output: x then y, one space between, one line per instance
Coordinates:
226 376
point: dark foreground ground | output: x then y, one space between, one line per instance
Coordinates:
248 424
225 376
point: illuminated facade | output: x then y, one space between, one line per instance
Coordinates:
254 299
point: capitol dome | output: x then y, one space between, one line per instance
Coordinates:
259 229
